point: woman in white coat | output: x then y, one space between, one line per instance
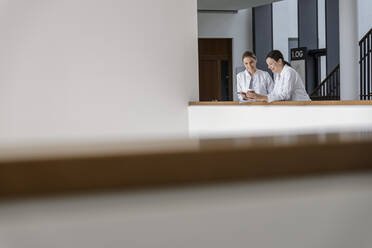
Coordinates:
288 83
252 78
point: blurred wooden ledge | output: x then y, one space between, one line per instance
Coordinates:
285 103
47 171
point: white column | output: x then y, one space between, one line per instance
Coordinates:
349 50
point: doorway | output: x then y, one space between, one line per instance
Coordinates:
215 69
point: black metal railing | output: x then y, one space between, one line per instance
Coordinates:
365 48
329 88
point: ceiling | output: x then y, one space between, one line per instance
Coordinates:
231 4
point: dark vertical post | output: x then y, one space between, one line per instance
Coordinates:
365 69
332 34
338 85
334 87
360 72
308 37
328 88
262 34
368 66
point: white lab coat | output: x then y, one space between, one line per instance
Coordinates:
288 86
262 83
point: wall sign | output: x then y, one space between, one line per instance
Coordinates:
298 62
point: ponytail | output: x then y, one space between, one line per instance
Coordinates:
286 63
276 55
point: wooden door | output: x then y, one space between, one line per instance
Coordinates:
215 69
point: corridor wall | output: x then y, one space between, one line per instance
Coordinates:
96 69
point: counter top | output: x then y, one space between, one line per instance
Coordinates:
285 103
44 170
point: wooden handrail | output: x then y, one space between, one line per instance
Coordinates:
325 80
284 103
224 160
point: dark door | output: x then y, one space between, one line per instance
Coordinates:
215 68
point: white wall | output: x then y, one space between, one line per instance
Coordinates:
364 17
349 49
284 24
322 36
237 26
321 24
285 21
96 69
324 212
237 121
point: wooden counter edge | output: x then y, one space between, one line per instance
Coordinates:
87 174
284 103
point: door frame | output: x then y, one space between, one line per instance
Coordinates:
219 58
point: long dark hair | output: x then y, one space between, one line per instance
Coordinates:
276 55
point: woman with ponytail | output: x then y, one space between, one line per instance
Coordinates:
252 79
288 83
